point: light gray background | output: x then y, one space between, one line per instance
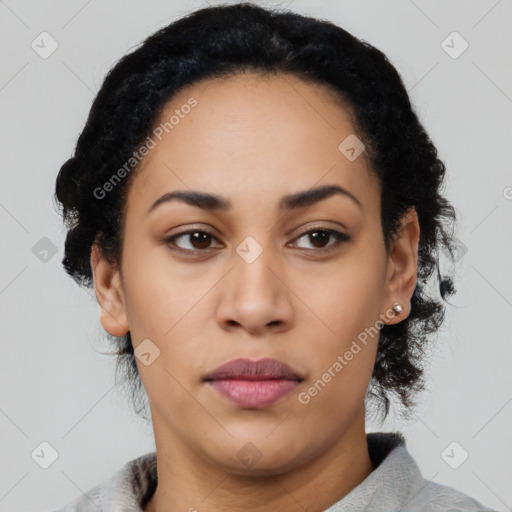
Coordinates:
56 388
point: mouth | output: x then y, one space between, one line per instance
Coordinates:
254 384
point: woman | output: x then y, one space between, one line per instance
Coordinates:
260 211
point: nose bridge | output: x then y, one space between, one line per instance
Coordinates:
256 297
253 262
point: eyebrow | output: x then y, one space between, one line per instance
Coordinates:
293 201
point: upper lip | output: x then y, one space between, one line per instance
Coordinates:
247 369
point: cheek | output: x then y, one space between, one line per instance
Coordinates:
345 326
344 354
343 300
157 306
167 306
344 358
157 294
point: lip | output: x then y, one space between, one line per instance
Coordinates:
254 384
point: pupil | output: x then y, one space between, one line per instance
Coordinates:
198 236
322 237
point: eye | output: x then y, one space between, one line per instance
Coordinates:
199 240
319 238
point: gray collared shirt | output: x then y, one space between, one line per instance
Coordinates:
395 485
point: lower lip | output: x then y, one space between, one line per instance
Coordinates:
254 394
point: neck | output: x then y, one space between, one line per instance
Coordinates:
187 483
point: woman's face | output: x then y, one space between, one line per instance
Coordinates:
248 281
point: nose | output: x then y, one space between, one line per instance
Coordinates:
255 298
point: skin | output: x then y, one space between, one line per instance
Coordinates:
252 139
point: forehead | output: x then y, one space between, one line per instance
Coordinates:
252 134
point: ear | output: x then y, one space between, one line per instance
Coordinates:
109 293
403 266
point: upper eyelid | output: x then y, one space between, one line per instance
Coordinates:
319 228
210 230
315 225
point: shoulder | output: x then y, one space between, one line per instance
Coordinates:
398 483
88 502
422 495
126 489
434 497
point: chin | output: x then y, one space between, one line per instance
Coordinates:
263 467
262 456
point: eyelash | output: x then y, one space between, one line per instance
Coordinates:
339 236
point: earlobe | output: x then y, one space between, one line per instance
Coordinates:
403 266
109 294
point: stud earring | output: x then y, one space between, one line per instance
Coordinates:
397 308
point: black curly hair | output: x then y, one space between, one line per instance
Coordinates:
222 41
